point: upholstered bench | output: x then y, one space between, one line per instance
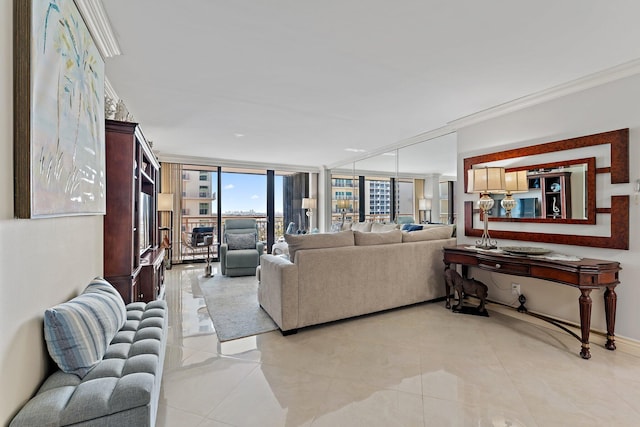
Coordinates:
119 387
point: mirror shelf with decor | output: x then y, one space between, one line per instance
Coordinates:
571 183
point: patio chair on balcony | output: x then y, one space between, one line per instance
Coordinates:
192 247
240 251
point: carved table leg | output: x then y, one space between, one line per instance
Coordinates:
610 300
585 321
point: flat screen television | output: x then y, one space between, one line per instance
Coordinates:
525 208
145 222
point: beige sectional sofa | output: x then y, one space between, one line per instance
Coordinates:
340 275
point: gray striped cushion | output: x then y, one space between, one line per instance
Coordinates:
78 331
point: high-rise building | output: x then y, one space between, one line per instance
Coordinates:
197 193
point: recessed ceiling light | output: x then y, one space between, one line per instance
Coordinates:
355 150
238 135
389 153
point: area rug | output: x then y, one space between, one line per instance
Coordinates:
233 306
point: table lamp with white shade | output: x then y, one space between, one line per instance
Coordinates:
309 204
342 205
515 182
485 181
424 205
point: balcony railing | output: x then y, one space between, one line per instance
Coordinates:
187 251
199 194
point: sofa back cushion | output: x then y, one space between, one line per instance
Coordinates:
378 227
317 241
432 233
79 331
361 226
385 238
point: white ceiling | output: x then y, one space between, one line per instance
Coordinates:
298 82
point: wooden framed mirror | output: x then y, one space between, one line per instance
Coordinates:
618 169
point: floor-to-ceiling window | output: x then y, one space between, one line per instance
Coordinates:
206 191
199 211
377 199
244 195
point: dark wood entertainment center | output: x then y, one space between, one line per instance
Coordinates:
586 275
133 261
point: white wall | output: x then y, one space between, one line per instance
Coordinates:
42 262
608 107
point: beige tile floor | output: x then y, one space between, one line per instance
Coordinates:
418 366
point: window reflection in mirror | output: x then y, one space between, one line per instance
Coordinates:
420 173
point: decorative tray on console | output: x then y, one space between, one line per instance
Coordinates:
525 250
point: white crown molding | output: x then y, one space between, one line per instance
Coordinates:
207 161
596 79
99 26
109 91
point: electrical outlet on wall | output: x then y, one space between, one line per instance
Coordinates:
515 289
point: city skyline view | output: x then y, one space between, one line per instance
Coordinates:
243 192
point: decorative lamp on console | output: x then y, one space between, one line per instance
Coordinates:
343 204
424 205
309 204
485 181
515 182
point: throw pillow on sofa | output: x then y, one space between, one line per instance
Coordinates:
79 331
433 233
411 227
317 241
336 227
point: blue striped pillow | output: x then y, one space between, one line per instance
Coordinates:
79 331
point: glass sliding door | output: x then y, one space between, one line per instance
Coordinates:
199 211
295 187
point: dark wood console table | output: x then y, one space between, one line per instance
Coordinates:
586 275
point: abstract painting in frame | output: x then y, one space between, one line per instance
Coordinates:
59 162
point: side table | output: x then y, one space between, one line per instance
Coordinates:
208 241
